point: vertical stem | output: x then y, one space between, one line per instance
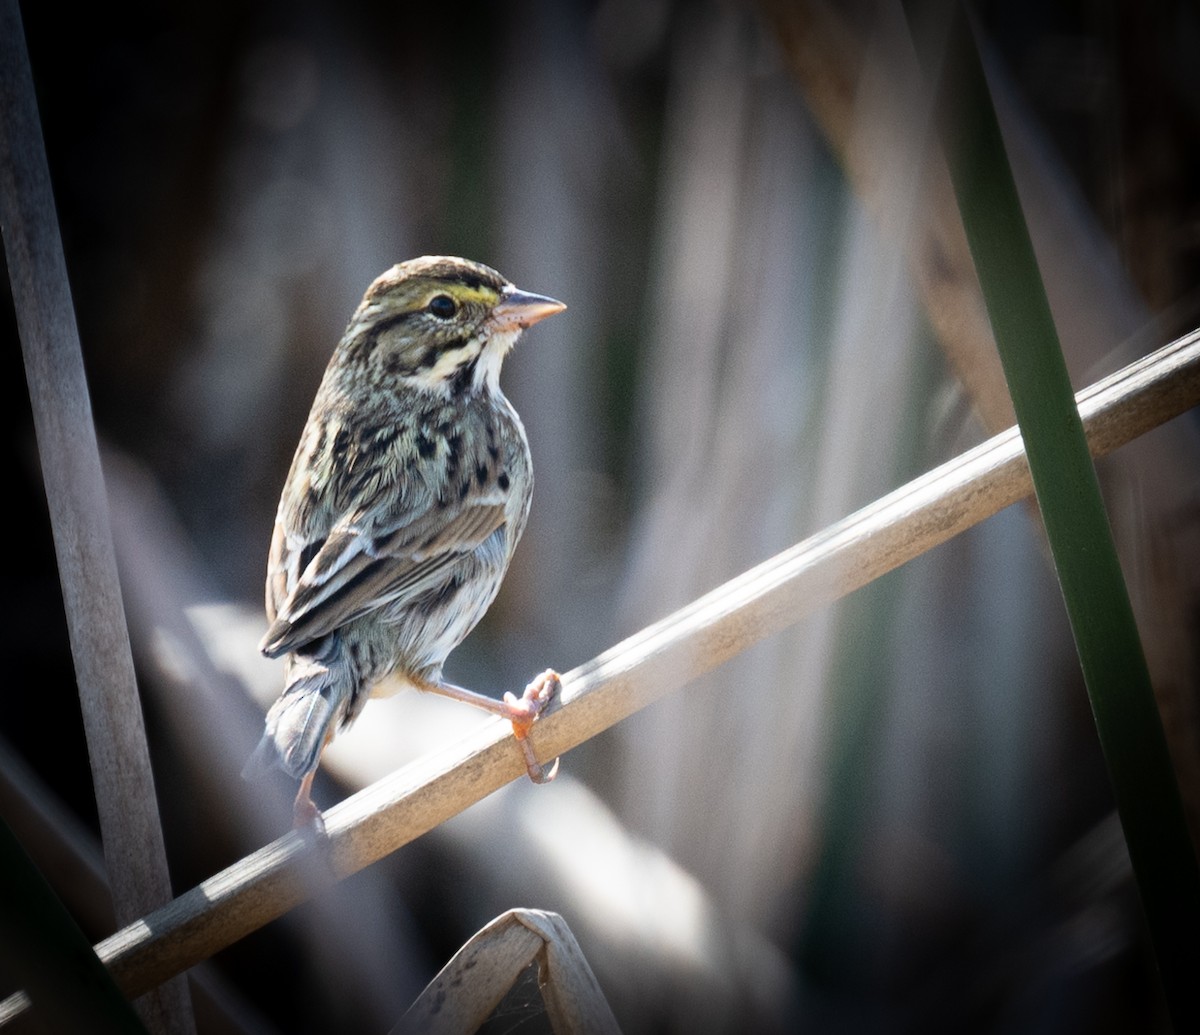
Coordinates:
1068 494
120 762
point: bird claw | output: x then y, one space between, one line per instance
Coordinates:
524 711
538 773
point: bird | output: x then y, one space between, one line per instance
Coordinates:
408 492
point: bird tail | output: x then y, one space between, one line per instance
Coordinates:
301 721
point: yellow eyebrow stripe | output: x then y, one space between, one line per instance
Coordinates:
465 293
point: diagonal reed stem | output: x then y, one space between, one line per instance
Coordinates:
650 664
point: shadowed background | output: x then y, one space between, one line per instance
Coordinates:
894 815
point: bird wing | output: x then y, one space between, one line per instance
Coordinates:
356 569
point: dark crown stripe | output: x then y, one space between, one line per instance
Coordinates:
471 277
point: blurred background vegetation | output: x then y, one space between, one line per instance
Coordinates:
893 817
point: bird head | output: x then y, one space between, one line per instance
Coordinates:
441 323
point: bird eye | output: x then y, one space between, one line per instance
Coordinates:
442 306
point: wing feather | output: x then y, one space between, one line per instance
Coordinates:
356 572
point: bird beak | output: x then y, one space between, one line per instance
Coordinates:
521 309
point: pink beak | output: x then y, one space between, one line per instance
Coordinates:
522 309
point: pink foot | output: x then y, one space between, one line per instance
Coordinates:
523 711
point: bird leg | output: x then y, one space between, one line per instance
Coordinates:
520 711
305 812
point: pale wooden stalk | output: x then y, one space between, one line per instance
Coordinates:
661 658
120 761
468 989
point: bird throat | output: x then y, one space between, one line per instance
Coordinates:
487 368
472 368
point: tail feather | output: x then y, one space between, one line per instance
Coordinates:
300 722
